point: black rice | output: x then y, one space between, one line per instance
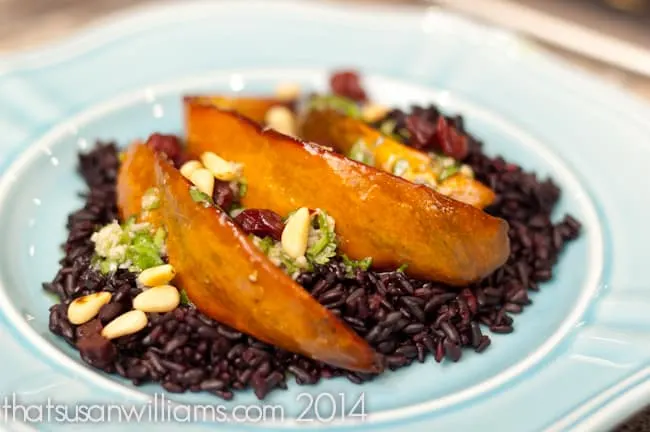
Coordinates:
405 319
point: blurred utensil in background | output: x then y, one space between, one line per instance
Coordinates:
574 26
630 6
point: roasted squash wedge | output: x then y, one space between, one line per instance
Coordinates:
229 279
377 214
251 107
342 133
135 177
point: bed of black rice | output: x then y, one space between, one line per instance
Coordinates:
405 319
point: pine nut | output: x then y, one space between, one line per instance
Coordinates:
282 120
125 324
189 167
160 299
203 180
467 171
287 91
220 168
83 309
159 275
371 112
296 233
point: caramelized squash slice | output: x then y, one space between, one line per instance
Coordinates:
331 128
251 107
135 177
230 279
377 214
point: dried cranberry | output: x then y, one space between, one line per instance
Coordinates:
348 84
450 142
167 144
261 223
223 195
97 351
421 131
470 299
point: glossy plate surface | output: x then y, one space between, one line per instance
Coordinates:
579 355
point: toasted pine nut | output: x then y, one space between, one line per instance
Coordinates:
83 309
296 233
282 120
203 180
125 324
189 167
371 112
466 170
160 299
220 168
287 91
159 275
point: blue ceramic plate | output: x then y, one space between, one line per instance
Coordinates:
579 357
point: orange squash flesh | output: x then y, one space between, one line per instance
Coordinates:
377 214
229 279
251 107
331 128
135 177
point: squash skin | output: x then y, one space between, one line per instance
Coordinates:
331 128
377 214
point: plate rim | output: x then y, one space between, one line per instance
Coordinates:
92 36
595 255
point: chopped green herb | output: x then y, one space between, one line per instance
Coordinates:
159 237
402 268
351 265
388 127
151 199
243 187
403 133
107 267
343 105
185 300
266 244
235 209
273 250
360 153
364 264
131 245
289 264
322 241
143 252
400 167
448 172
143 257
200 197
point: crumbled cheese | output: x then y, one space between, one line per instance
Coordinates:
467 171
107 238
151 199
131 246
136 227
117 253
